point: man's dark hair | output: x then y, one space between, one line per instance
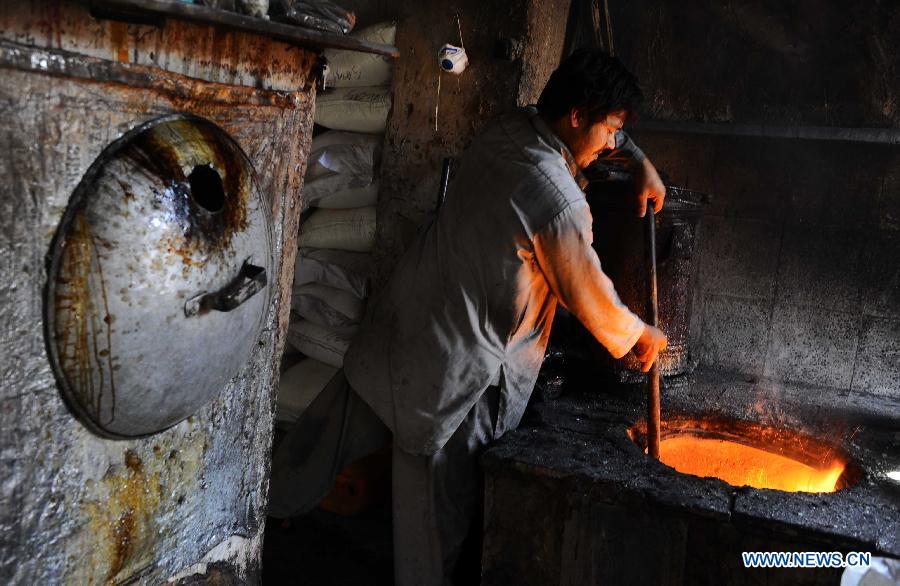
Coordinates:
592 80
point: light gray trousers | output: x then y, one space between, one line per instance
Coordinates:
434 498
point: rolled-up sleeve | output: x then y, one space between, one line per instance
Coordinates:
569 263
626 153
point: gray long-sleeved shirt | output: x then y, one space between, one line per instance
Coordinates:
473 298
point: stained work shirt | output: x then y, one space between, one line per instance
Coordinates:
473 299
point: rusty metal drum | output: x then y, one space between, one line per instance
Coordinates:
156 292
620 243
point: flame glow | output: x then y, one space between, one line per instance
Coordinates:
741 465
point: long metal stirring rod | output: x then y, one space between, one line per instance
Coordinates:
653 417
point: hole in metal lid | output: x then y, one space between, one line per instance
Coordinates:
206 188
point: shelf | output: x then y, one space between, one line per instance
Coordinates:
156 10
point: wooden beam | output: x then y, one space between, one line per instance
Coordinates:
294 35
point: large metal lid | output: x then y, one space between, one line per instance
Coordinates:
156 287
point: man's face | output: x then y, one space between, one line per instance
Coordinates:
589 138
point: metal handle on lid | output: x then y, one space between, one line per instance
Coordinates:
249 281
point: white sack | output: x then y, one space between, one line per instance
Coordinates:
352 229
356 69
350 197
326 305
348 153
332 138
347 271
340 173
299 386
315 341
362 109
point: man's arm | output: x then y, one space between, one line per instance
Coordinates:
649 185
564 254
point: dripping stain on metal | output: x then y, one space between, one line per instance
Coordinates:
79 325
118 36
122 520
122 512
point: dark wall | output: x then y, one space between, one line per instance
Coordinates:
800 247
812 62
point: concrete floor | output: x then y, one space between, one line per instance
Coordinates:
324 549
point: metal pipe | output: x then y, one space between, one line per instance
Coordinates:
653 404
445 180
865 135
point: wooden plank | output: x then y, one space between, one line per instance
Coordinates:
287 33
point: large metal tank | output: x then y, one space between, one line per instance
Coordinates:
156 291
78 507
620 242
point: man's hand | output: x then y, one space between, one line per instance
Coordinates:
651 343
649 187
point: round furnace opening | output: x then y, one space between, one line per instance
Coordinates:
743 453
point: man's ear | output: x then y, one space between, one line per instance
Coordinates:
576 117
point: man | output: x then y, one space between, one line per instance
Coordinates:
448 353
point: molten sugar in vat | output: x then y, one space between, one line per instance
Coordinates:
744 453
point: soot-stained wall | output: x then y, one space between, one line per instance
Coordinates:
75 507
512 47
800 255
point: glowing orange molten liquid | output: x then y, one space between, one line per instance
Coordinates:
741 465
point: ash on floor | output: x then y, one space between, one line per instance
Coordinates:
325 549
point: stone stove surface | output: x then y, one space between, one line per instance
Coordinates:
570 499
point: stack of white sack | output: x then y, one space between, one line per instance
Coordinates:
332 273
328 298
330 290
348 271
333 268
357 85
